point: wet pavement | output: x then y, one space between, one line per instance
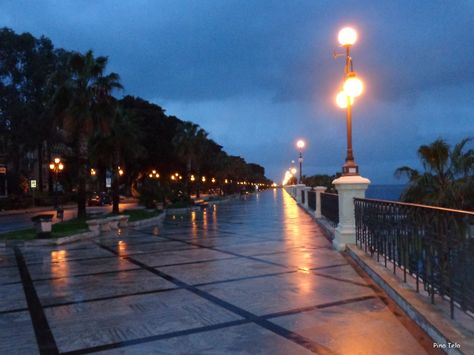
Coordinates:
254 276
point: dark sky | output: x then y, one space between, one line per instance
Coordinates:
258 75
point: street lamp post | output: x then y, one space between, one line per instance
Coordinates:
352 88
56 166
300 145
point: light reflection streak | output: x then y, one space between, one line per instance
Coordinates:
59 270
297 234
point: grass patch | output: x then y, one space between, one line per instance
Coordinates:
21 234
62 229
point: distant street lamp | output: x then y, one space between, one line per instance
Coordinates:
56 166
300 145
352 88
154 175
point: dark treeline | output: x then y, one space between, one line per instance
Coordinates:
58 103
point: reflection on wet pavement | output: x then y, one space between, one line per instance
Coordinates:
253 276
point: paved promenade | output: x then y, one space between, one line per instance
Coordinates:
245 277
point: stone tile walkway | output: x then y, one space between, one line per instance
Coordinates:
244 277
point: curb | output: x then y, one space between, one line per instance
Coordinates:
436 324
149 221
53 241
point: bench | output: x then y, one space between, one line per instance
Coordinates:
108 223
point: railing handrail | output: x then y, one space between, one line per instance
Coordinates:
329 193
416 205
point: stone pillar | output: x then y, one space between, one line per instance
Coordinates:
348 188
298 189
319 190
305 205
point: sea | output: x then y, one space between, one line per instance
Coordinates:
385 192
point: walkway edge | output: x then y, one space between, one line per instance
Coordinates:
437 326
149 221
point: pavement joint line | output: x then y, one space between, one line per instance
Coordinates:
127 270
292 336
66 260
106 298
266 261
44 336
16 310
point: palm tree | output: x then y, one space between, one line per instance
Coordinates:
188 143
117 147
84 104
447 179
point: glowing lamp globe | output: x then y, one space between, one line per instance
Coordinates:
293 171
341 99
353 86
300 144
347 36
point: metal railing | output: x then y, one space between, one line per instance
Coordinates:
302 197
312 200
330 207
434 245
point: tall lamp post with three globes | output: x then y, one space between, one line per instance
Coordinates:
351 88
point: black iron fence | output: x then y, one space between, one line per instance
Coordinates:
434 245
330 207
312 200
302 197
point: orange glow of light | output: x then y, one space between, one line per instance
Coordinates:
203 179
57 160
58 255
353 86
61 166
300 144
122 246
347 36
51 166
341 99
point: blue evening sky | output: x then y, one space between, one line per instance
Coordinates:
258 75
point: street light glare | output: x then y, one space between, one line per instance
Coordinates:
353 86
293 171
341 99
300 144
347 36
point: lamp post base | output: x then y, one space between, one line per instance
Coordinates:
350 169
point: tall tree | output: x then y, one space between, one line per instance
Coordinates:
85 106
119 146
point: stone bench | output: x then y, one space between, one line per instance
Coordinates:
108 223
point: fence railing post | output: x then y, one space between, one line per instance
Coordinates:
319 190
348 187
